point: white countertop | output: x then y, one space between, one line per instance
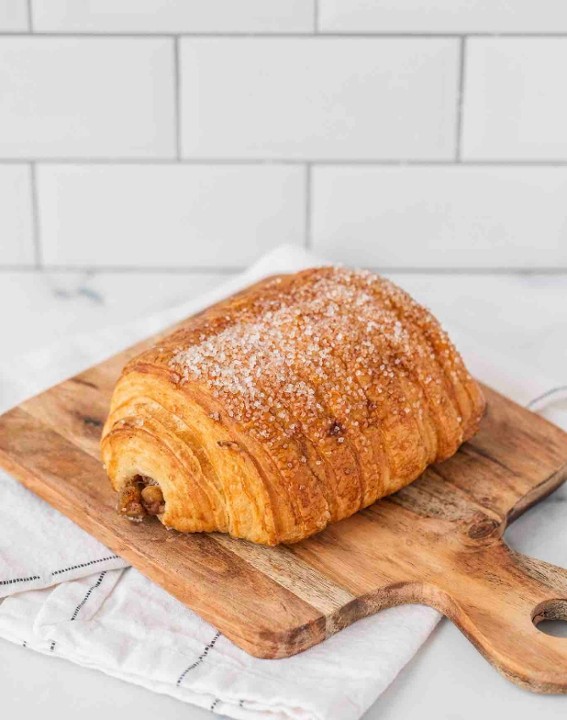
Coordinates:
448 679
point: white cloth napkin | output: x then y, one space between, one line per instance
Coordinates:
65 593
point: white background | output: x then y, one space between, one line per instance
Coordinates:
150 148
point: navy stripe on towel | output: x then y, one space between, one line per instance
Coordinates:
19 580
199 660
87 596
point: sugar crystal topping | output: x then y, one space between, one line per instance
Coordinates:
319 348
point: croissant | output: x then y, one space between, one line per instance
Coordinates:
287 407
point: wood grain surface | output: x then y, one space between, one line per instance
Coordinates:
437 542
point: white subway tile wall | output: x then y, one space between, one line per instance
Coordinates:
515 99
442 217
442 16
197 134
173 16
16 216
13 15
319 98
167 215
86 97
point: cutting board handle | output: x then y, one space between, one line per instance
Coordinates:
498 601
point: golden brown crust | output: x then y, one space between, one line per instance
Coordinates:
289 406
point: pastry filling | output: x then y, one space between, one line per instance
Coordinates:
140 497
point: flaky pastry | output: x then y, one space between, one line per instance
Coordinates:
287 407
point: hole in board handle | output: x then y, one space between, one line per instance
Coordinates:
550 617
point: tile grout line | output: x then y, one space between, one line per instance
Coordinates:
310 36
36 232
308 240
316 17
177 80
212 270
30 16
460 99
339 162
126 270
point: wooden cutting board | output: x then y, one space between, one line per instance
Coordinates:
437 542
